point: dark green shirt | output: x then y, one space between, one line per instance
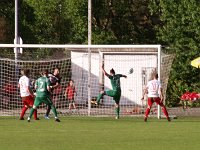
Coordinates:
42 84
115 81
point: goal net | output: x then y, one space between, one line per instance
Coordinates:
83 66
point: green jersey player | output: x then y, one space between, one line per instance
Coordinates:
116 89
42 87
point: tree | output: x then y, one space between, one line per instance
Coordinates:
178 27
122 22
78 14
6 11
44 22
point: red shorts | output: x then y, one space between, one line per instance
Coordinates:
28 101
158 101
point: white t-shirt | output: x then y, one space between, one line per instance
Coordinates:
24 83
153 88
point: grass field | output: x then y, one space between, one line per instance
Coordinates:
84 133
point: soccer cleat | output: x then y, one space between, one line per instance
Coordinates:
168 119
21 118
57 120
145 119
46 117
37 119
29 119
117 117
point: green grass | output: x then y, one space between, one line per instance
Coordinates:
84 133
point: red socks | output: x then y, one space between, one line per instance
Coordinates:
165 112
24 109
35 114
147 112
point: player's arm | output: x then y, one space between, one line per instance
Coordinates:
66 92
19 83
105 73
28 87
30 91
48 85
161 94
144 93
124 76
160 91
55 86
36 84
48 88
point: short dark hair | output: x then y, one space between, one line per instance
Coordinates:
26 72
45 71
112 71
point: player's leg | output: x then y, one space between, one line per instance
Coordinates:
47 112
117 107
24 109
35 115
37 102
150 103
31 103
70 105
117 110
74 104
48 101
159 102
99 97
48 109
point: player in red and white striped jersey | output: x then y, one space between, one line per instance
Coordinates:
26 93
155 94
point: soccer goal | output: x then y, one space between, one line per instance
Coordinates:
82 64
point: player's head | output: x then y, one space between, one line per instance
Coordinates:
56 71
112 72
45 72
71 82
25 72
155 76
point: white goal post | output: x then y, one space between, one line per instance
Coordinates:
149 55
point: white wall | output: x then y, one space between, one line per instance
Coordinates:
131 87
79 61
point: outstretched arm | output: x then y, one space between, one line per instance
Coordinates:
104 71
124 76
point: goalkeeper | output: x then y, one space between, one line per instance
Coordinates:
116 92
54 83
42 87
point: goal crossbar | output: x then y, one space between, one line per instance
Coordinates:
75 46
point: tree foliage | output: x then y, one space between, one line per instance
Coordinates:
179 29
122 22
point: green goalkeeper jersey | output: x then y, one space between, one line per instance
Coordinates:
42 84
115 81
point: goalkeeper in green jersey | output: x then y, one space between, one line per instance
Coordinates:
42 87
116 89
